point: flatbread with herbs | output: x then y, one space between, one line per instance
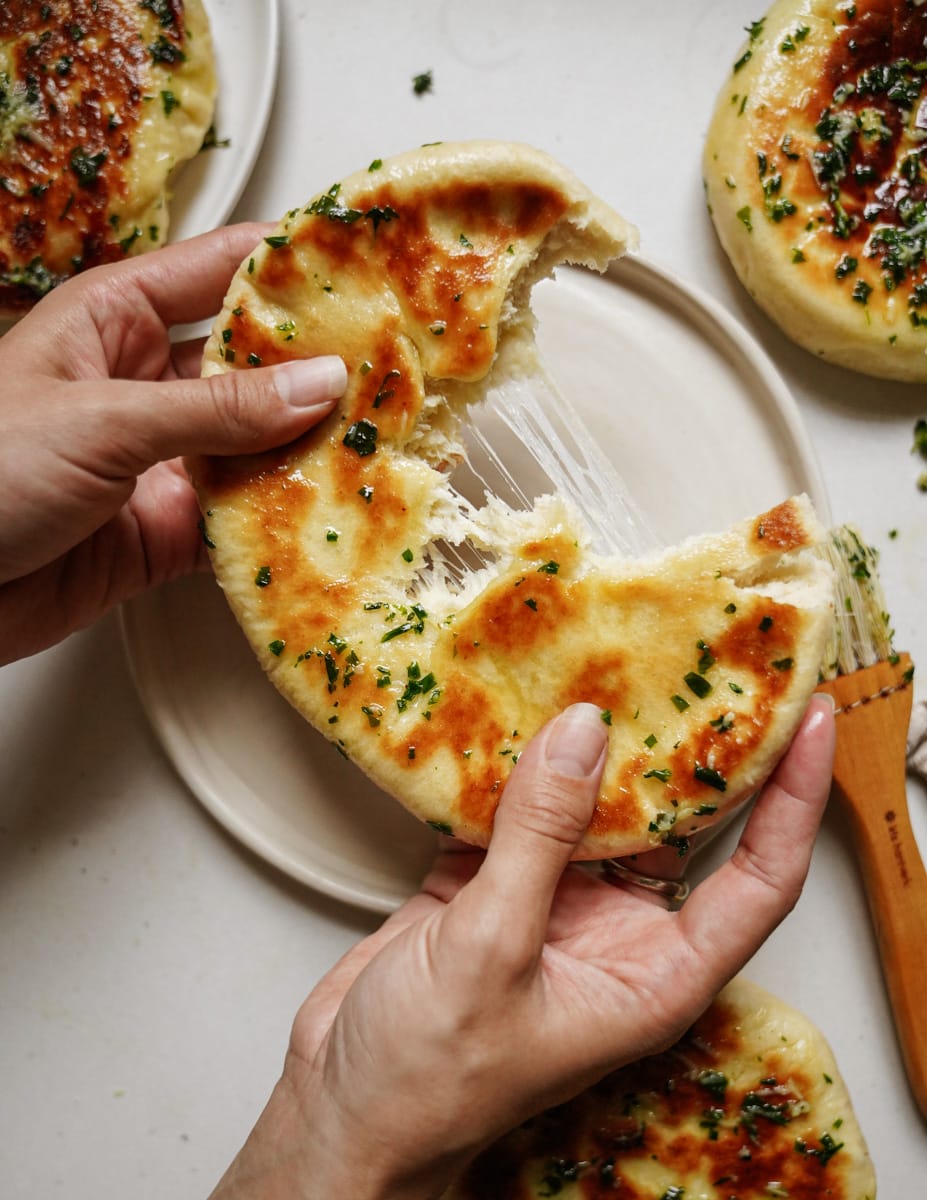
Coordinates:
748 1105
100 101
817 183
702 659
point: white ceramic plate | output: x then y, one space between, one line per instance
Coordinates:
697 422
246 36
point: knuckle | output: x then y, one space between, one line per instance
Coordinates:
768 874
550 809
237 401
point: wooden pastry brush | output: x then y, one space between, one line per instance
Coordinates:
871 687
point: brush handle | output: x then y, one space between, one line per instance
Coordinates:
873 713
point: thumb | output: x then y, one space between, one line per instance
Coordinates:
544 812
238 412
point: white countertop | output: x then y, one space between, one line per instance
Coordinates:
149 965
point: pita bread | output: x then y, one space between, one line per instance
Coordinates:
701 659
815 180
749 1104
100 100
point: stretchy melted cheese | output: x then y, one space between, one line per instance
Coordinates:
99 101
816 182
702 659
749 1105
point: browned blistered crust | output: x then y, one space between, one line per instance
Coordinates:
748 1104
411 272
78 80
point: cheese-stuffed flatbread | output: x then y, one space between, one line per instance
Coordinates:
748 1105
417 272
100 100
816 181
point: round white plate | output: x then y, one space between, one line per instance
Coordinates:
246 37
697 422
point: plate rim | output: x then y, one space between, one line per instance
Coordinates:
245 155
644 276
752 351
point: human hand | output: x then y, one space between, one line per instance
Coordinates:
96 407
514 980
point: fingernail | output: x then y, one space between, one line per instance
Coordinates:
309 382
828 699
576 741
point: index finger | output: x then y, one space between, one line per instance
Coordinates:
183 282
763 878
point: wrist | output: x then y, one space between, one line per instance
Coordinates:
303 1150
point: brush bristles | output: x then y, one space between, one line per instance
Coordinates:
862 632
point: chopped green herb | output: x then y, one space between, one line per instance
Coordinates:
126 243
783 664
707 659
549 568
276 647
169 102
846 266
201 525
920 438
650 741
714 1082
711 777
384 392
254 360
824 1152
661 773
162 9
361 437
743 215
366 493
862 291
376 164
532 604
86 166
373 713
165 51
277 240
35 277
698 684
681 703
262 579
606 715
422 83
765 624
407 555
331 535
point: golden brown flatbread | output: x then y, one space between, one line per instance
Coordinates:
816 180
100 100
748 1105
331 551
